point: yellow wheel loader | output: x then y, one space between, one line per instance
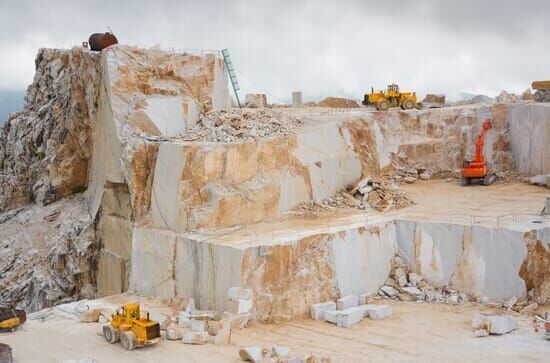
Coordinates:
391 98
10 319
131 329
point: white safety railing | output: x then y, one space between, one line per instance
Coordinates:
472 219
200 52
324 111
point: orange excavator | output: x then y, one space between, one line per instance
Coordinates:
478 169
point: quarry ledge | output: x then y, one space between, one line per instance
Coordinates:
292 264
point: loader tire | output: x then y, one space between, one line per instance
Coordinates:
111 334
383 105
538 96
407 104
128 340
464 181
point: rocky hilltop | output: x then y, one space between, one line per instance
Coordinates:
45 148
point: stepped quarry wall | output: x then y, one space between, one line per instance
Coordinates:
309 265
146 96
216 185
116 123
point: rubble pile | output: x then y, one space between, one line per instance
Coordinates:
404 285
221 126
338 102
47 255
198 327
349 310
379 194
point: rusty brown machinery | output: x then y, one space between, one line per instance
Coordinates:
100 41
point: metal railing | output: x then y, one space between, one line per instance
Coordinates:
472 219
199 52
324 111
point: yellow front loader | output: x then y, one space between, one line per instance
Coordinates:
131 329
391 98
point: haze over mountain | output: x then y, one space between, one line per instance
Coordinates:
10 101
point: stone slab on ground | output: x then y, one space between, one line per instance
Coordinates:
349 317
173 333
251 354
318 310
376 312
494 324
347 302
197 338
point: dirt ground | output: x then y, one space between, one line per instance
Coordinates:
416 332
441 197
435 200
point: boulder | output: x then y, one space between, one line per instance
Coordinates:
409 179
425 176
239 306
173 333
197 338
251 354
494 324
389 291
377 312
349 317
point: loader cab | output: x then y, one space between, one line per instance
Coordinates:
393 88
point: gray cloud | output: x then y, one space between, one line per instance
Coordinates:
320 47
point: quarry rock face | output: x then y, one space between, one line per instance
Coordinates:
174 178
45 148
52 259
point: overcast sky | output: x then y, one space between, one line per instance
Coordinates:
323 48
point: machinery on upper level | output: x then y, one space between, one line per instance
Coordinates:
477 169
391 98
133 330
542 93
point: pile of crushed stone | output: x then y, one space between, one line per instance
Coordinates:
221 126
368 194
338 102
